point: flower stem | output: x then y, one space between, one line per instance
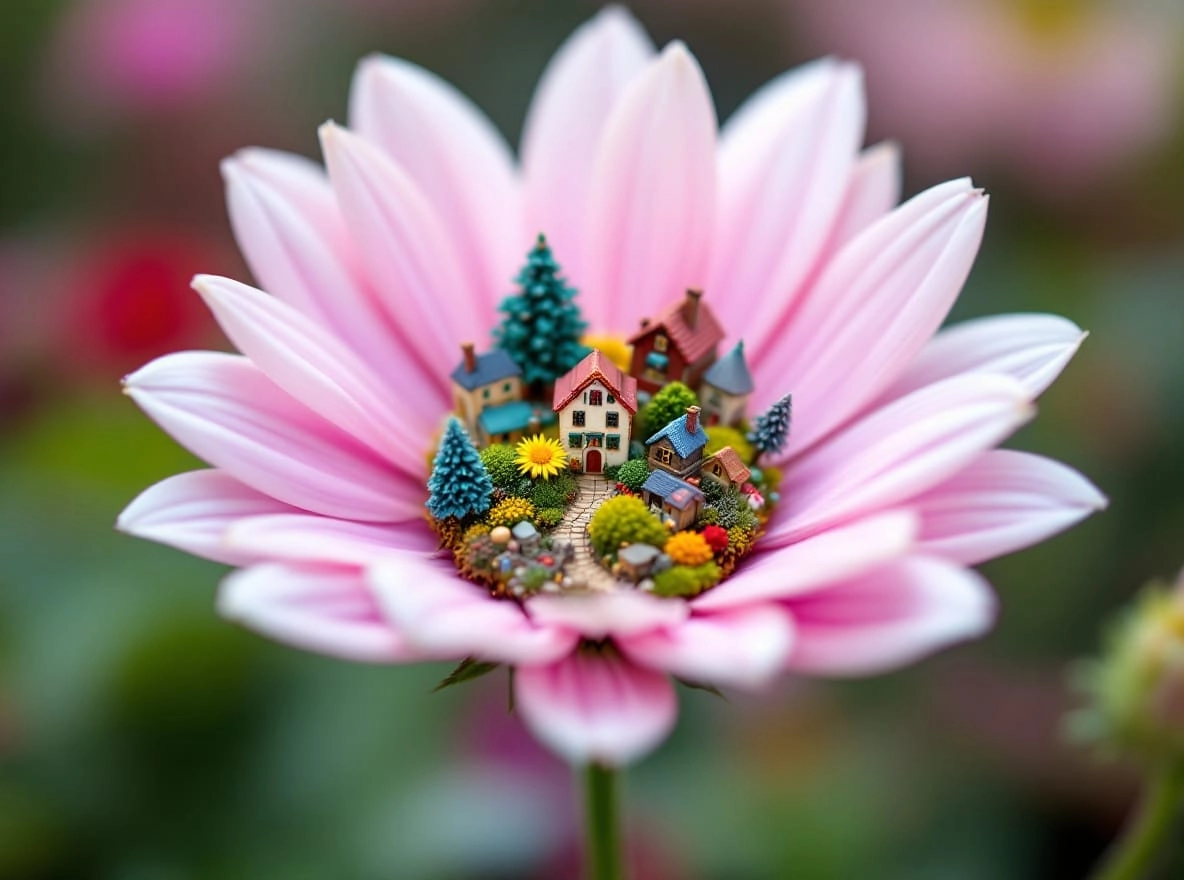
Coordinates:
1133 854
602 822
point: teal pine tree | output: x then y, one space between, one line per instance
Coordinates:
459 484
542 327
770 429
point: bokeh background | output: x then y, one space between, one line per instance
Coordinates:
142 738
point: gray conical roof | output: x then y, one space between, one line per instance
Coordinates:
730 373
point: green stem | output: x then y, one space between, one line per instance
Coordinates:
602 821
1134 853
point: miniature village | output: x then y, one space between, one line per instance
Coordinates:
632 465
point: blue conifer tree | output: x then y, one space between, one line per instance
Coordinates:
459 484
542 327
770 430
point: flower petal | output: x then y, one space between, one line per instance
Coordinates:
291 233
872 191
776 571
653 194
898 452
192 512
785 163
448 617
596 707
889 617
458 160
296 537
571 105
330 611
320 372
1033 349
224 410
407 252
1001 503
745 647
600 615
872 309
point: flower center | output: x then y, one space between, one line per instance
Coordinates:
628 465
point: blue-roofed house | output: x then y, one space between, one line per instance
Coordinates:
725 389
676 500
678 448
487 396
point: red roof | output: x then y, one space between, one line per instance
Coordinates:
693 342
734 466
595 366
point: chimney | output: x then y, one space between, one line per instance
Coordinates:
470 357
692 419
690 310
645 322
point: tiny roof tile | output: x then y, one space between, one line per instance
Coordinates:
693 342
734 467
639 554
492 366
683 441
672 490
595 366
730 373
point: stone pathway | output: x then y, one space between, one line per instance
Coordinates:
583 570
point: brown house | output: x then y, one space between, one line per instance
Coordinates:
676 346
726 468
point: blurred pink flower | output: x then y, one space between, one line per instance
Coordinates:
318 432
112 58
1060 91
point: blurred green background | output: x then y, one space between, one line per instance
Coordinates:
142 738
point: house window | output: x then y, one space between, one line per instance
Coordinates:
577 418
485 394
611 399
612 420
575 441
656 361
662 454
612 441
659 342
594 398
506 388
595 441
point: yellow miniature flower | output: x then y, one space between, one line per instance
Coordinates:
688 548
540 457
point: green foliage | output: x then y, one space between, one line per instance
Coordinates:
459 485
499 461
770 429
610 472
468 670
666 406
534 577
734 511
633 474
719 436
548 517
559 491
624 519
686 580
708 516
542 327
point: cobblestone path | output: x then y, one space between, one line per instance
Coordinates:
583 570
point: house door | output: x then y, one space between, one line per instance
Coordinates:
593 462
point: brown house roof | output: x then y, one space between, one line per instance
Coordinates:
736 470
595 366
693 342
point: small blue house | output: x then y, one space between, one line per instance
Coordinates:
677 500
678 448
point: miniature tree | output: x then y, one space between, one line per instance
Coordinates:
770 429
667 405
624 519
542 327
459 485
633 474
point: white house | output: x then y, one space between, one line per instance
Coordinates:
595 403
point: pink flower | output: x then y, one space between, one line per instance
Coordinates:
1062 92
318 432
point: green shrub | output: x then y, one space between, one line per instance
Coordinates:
633 474
548 517
666 406
686 580
624 519
734 511
559 491
610 472
499 463
719 436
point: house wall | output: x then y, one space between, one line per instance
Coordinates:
642 348
680 467
721 408
469 404
595 422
